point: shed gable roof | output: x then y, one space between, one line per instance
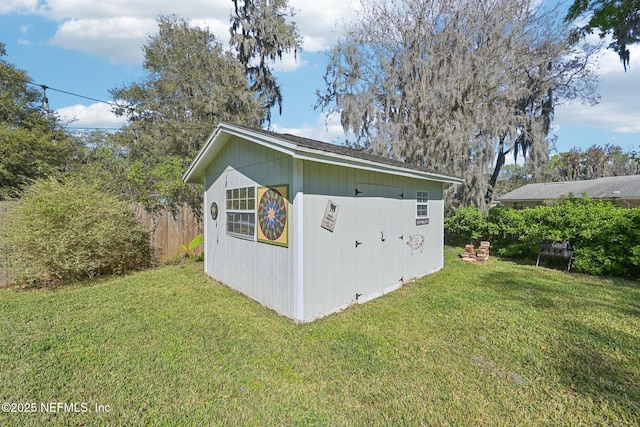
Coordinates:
618 187
306 149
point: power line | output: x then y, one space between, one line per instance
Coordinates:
45 87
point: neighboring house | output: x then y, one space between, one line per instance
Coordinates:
623 190
308 228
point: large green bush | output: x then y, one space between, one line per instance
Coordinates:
465 225
70 228
606 238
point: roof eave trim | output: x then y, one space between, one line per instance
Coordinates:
195 172
336 159
192 175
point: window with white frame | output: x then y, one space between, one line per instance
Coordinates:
422 205
241 211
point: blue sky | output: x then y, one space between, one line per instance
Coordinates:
88 47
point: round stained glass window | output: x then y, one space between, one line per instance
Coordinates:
272 214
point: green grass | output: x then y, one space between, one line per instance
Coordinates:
496 344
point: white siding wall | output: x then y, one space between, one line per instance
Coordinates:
321 271
335 269
262 271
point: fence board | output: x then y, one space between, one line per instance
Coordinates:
168 234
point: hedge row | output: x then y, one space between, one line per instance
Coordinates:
606 238
69 228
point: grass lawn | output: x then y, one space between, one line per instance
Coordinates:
496 344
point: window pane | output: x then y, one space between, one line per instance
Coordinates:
423 210
241 199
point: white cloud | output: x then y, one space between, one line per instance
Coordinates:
117 29
327 128
24 30
320 22
289 63
119 40
11 6
94 116
619 107
94 9
621 116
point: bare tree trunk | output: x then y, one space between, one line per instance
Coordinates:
500 160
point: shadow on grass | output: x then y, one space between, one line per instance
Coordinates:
548 289
532 292
558 264
602 364
587 321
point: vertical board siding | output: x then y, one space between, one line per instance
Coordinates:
335 269
261 271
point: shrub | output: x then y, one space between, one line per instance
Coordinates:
606 238
465 225
68 229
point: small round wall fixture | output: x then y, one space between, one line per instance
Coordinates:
214 211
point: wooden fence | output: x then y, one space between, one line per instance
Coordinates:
167 235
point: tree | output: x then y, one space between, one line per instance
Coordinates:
511 177
594 162
31 144
260 35
192 84
454 85
618 18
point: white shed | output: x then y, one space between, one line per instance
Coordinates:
308 228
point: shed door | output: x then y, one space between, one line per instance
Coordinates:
379 245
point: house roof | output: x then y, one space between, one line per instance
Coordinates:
306 149
613 187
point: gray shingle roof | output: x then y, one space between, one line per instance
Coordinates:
618 187
308 149
342 150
